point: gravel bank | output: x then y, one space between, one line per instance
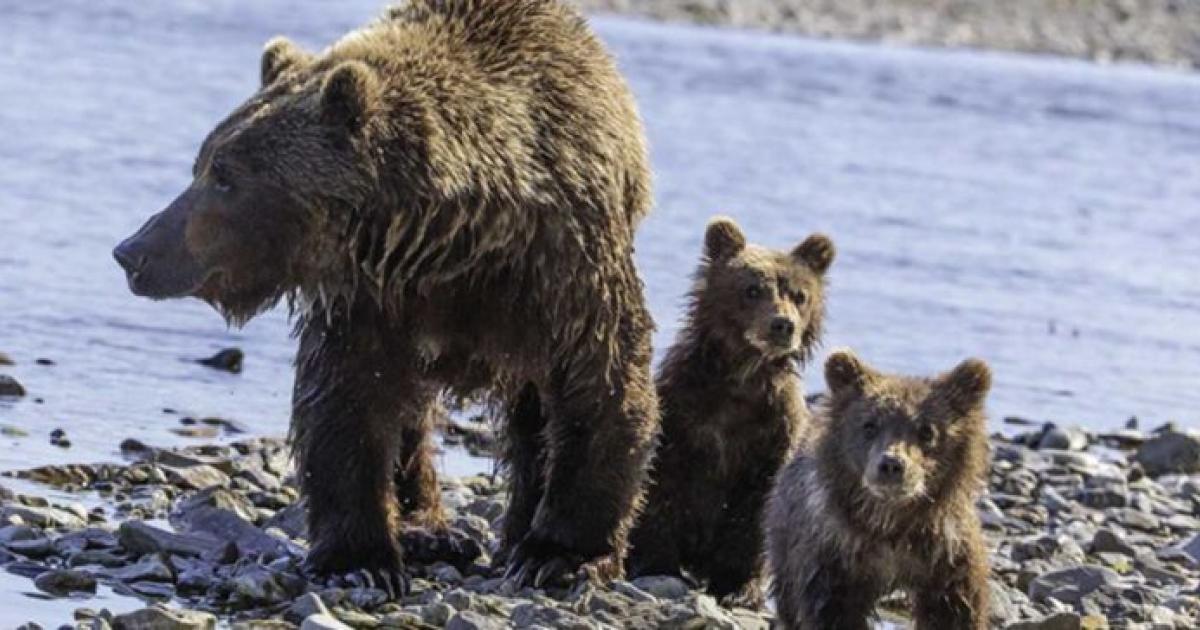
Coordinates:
1155 31
1086 531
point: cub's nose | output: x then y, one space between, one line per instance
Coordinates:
129 258
891 468
782 328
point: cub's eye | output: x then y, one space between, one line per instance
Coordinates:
220 177
754 292
801 297
926 434
870 428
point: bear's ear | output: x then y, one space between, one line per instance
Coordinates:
723 239
966 386
280 55
349 95
817 251
845 373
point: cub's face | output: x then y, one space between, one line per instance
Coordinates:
770 303
903 437
264 179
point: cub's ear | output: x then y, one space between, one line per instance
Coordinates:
845 373
817 251
966 386
723 239
350 94
279 56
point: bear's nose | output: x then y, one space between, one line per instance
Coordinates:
891 468
129 258
782 327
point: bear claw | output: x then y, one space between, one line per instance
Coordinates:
527 568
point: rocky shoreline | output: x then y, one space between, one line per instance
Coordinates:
1085 531
1165 32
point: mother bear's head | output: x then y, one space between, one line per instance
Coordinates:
271 184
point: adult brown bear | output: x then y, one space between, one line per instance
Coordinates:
447 197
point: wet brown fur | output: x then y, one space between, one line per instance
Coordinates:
448 198
841 534
732 408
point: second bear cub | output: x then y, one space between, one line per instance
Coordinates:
883 498
732 407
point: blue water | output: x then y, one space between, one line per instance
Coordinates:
1041 214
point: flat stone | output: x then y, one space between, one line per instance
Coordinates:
227 526
1072 584
323 622
1057 621
63 582
470 620
214 497
306 606
1170 452
142 538
1107 540
663 586
196 477
151 567
158 617
44 517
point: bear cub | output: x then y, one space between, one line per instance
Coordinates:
882 497
732 407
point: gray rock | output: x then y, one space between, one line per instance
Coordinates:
1170 452
196 477
152 567
1062 438
323 622
1108 541
10 387
214 497
158 617
536 615
33 548
1072 584
220 524
663 586
44 517
255 585
290 520
141 537
470 620
437 614
1056 621
63 582
306 606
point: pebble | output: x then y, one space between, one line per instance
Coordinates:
227 360
1171 452
158 617
63 582
10 387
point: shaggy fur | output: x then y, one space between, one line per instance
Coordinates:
732 407
883 497
448 198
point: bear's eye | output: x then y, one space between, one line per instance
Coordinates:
801 298
754 292
870 428
926 434
220 176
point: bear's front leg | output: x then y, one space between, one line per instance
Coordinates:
350 403
597 442
957 594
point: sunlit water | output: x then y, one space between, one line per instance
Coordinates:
1041 214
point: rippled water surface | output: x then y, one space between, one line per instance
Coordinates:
1044 215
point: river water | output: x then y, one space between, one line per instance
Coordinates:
1041 214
